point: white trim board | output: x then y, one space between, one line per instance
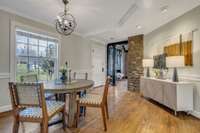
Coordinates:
4 75
99 83
16 24
5 108
190 77
195 114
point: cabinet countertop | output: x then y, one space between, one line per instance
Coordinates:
168 81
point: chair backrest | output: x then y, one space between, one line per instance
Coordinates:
105 92
29 78
80 75
27 95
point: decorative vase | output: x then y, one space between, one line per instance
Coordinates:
63 78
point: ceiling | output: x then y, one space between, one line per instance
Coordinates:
105 20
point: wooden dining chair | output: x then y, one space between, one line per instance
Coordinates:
80 75
83 75
34 78
29 105
97 101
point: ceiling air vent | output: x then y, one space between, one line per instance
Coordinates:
128 14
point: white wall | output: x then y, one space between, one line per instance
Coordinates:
98 61
153 45
74 49
77 51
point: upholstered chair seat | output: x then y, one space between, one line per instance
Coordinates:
91 99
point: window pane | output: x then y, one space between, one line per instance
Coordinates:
52 45
43 76
33 65
21 50
52 53
52 50
22 67
22 39
42 51
33 41
46 68
33 50
43 43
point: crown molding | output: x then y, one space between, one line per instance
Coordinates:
14 12
99 41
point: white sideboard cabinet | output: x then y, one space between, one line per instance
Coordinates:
176 95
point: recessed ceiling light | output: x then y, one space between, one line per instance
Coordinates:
133 8
138 26
164 9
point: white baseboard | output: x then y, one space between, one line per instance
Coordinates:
99 83
195 114
5 108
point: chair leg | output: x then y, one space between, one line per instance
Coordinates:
84 108
77 114
15 126
45 127
104 117
106 106
57 97
41 127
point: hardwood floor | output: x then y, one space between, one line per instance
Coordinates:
129 113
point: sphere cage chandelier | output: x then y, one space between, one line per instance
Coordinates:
65 22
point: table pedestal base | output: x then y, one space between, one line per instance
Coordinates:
72 110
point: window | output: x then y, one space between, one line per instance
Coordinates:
36 54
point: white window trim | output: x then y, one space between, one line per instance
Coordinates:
14 25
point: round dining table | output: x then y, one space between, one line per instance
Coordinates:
71 89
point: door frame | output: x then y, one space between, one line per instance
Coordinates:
104 60
113 57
